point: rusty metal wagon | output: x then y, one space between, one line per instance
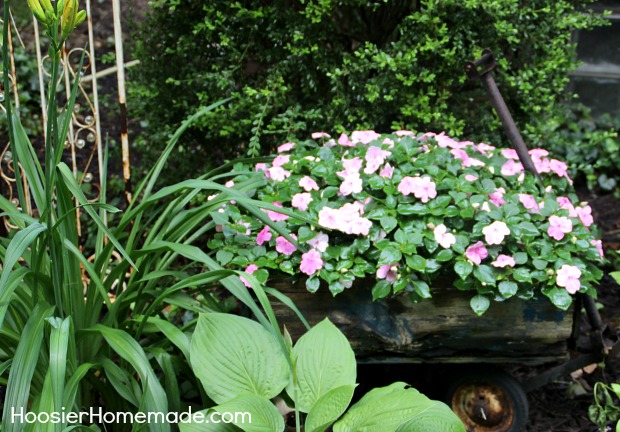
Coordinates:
444 330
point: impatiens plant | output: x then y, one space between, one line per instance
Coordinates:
415 212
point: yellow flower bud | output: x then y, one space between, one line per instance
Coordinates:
46 5
68 18
37 11
60 6
79 18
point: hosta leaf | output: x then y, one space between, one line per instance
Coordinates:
232 355
328 408
395 408
264 416
324 361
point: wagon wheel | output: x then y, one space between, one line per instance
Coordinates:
489 401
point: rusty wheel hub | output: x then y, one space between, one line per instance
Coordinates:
483 407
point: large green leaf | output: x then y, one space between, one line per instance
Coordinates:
232 355
328 408
16 249
324 361
397 407
155 399
437 417
59 342
24 365
200 426
263 415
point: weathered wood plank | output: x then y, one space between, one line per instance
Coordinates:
442 327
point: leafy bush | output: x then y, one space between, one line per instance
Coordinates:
589 145
298 66
412 211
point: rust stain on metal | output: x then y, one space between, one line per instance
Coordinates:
483 407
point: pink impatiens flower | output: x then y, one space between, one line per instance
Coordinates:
308 184
301 200
389 272
344 141
558 167
476 252
275 216
529 202
503 261
351 184
566 204
364 137
375 158
284 246
444 238
311 262
510 154
598 244
511 168
351 166
278 173
497 197
286 147
346 219
585 215
319 242
558 226
470 177
249 270
495 232
317 135
421 187
281 160
568 277
466 160
260 167
387 171
263 236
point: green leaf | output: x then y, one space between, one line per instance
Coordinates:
421 288
479 304
24 364
223 257
198 424
522 275
416 262
386 409
444 255
389 255
388 223
520 258
485 273
381 289
463 268
329 408
508 289
529 229
540 264
265 417
232 355
312 284
324 361
438 417
560 298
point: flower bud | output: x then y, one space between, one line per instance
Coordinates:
81 17
430 226
46 5
60 6
37 11
550 272
68 18
344 270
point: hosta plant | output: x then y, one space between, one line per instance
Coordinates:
414 212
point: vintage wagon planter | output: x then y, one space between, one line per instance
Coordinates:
444 330
488 250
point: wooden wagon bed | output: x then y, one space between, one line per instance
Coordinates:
442 329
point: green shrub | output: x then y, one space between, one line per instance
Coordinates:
301 66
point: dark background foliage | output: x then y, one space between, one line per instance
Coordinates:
295 67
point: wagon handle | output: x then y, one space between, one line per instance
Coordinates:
482 68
